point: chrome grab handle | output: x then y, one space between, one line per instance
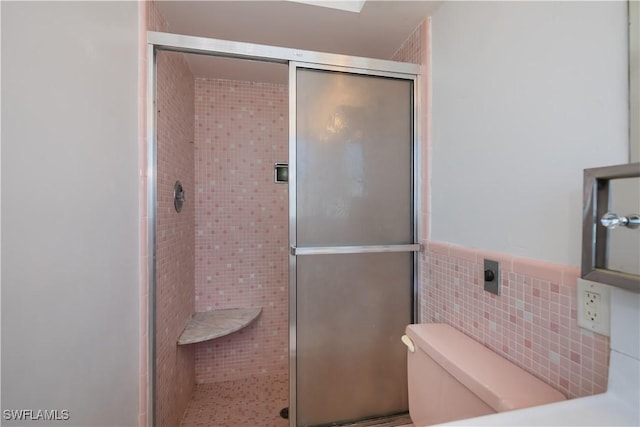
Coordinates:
336 250
612 220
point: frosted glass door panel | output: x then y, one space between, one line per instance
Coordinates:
353 185
351 312
354 157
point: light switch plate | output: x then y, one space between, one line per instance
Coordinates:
492 285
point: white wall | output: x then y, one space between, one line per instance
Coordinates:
525 96
70 210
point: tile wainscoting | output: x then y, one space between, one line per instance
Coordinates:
533 322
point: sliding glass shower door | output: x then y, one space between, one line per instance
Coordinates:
352 243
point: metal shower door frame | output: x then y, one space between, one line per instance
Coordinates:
295 58
295 251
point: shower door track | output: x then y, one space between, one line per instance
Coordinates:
159 41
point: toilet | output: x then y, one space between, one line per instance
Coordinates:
452 377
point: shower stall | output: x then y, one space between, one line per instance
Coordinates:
327 263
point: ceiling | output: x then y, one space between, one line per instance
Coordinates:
376 32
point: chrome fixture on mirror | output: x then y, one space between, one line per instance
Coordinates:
179 196
612 220
611 256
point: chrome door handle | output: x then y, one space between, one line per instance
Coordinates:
366 249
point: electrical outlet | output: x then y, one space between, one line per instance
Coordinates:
593 306
591 302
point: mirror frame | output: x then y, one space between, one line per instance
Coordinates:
634 80
594 236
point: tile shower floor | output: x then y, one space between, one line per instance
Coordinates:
240 403
250 402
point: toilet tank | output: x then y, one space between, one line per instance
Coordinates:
452 377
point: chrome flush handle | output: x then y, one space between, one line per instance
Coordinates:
612 220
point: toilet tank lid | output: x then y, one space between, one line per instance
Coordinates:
498 382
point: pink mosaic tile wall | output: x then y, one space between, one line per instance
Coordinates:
155 19
416 49
175 368
241 224
532 323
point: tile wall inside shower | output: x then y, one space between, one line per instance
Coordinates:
241 216
174 295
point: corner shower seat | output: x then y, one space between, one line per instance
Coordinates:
213 324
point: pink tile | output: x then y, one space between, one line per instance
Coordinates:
175 372
538 269
155 19
254 401
439 248
525 324
570 275
241 226
463 253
